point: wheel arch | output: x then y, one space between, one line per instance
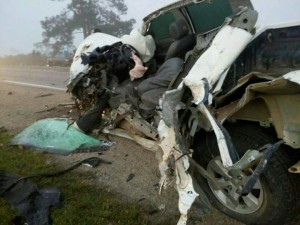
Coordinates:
279 111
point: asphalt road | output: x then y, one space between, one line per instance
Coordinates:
55 78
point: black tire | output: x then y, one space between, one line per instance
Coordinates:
281 190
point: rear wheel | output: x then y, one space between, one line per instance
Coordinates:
275 197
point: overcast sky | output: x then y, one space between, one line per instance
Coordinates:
20 19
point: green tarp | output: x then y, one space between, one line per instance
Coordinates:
56 136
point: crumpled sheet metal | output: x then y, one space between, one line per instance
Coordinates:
184 182
279 96
208 69
78 69
56 136
227 45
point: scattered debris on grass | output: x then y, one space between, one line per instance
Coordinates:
83 203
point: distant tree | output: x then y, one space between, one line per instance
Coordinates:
84 16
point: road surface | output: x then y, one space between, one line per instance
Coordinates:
20 106
51 77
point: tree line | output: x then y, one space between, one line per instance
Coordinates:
33 58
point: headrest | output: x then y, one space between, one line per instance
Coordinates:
145 45
178 29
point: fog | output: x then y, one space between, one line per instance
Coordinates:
20 19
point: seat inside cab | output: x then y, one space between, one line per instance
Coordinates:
175 31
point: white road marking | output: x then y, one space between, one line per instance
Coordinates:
34 85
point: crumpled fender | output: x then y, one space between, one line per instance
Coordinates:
77 69
268 101
208 69
225 48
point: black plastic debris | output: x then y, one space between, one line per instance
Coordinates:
32 203
130 177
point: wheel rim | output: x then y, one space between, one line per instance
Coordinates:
231 182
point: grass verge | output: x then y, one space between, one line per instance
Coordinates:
83 204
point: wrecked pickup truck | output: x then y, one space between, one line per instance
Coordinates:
215 98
